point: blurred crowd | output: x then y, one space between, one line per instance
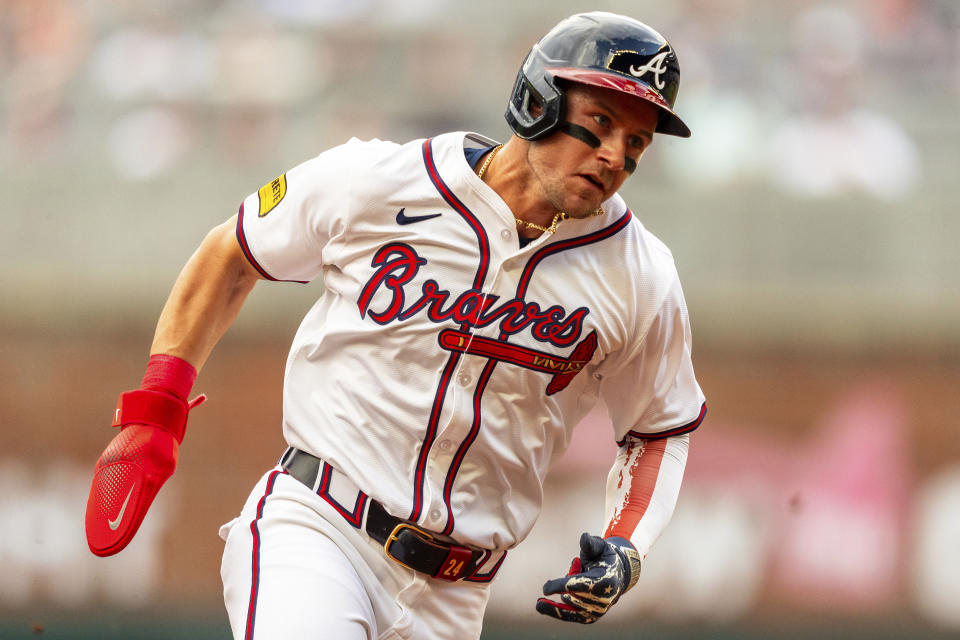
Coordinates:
817 98
812 98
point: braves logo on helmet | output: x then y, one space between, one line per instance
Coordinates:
639 65
600 49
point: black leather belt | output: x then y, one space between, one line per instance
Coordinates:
402 540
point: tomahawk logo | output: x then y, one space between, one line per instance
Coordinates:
655 65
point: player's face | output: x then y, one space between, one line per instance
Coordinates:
576 177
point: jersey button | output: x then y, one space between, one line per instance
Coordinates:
463 379
445 445
435 514
505 234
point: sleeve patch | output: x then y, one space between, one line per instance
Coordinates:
271 194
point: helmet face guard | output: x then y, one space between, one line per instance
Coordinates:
602 50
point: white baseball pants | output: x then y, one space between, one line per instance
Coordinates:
295 568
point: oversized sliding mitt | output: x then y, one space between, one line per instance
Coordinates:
142 456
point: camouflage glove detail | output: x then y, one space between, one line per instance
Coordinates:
605 570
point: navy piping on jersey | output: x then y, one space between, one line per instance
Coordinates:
255 557
489 575
465 445
525 278
483 242
245 247
483 245
572 243
659 435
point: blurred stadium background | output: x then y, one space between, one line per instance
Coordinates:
810 216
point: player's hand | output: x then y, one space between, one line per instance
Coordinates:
603 572
134 466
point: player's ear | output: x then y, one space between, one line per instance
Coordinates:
535 107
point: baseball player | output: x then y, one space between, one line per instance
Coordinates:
479 299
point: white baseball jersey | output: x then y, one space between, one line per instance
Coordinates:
444 367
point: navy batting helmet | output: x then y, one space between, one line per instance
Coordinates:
600 49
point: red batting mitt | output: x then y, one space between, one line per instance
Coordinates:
142 456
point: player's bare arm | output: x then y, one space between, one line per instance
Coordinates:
204 302
206 297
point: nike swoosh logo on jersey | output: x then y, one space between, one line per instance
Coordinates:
115 524
403 218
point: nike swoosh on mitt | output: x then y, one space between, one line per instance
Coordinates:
114 524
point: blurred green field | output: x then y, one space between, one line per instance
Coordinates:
152 626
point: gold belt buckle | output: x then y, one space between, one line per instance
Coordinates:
394 536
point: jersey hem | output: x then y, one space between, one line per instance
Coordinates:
676 431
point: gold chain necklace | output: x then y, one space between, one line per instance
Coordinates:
530 225
553 223
486 163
